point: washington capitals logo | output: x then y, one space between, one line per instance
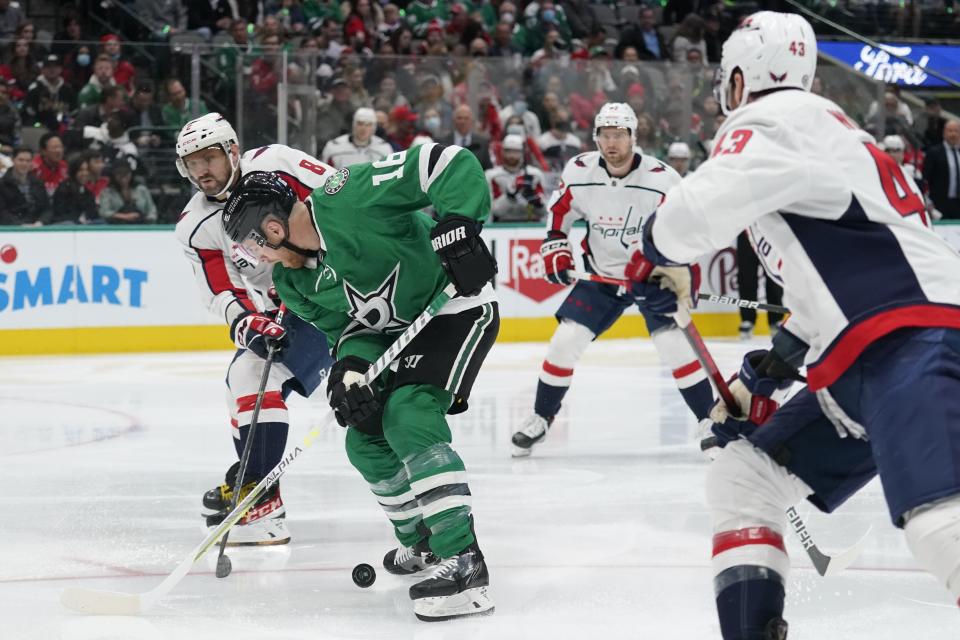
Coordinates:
780 78
376 310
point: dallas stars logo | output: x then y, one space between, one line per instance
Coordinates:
336 181
376 310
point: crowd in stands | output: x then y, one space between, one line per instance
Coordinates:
94 112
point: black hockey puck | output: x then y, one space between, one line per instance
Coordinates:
364 575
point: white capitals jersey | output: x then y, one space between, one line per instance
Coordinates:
613 208
230 288
507 201
342 152
833 218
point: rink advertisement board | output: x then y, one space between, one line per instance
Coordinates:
65 290
881 64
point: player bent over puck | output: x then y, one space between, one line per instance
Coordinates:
359 261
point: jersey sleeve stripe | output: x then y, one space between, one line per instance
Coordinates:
218 278
433 173
302 190
560 209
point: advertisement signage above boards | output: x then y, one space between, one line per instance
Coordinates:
89 290
880 64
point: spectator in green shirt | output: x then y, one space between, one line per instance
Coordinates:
179 111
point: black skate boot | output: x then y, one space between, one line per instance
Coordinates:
403 561
533 430
776 629
456 588
263 524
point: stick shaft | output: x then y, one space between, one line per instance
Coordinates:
252 431
743 304
593 277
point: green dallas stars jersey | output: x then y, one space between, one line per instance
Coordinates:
379 271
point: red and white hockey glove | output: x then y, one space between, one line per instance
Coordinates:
647 265
557 258
255 331
758 387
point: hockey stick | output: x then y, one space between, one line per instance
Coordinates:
224 566
101 602
743 304
593 277
824 564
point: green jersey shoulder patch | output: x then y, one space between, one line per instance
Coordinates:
336 181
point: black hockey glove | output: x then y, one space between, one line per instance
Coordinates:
352 401
463 254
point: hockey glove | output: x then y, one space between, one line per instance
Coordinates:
557 258
256 331
463 254
527 191
352 401
649 265
761 383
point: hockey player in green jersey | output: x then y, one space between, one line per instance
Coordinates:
359 260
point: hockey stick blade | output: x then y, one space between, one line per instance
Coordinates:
825 565
102 602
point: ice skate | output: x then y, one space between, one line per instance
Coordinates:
746 330
456 588
533 430
263 524
404 561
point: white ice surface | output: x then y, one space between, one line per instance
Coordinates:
602 533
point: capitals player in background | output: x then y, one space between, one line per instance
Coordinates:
613 190
516 188
356 260
360 145
239 293
875 303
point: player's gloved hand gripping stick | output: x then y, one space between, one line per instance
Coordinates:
101 602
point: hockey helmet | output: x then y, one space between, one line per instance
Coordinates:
206 131
513 142
615 114
258 195
773 51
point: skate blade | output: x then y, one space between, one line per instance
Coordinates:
472 602
520 452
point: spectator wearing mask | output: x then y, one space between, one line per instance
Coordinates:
49 100
516 188
123 202
464 135
102 78
558 143
678 157
530 121
23 198
72 202
941 169
529 36
644 37
49 165
360 145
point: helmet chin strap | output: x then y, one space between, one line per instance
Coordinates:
234 174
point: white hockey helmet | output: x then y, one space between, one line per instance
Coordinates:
773 51
206 131
512 142
615 114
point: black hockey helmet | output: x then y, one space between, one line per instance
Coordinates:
258 195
